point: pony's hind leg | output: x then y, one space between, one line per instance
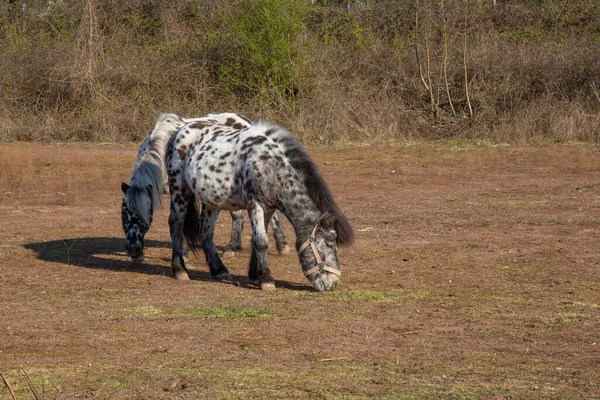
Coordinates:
176 224
208 219
235 244
258 269
280 243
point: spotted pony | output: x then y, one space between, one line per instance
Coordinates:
261 168
142 195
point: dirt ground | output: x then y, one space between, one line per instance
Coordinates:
475 275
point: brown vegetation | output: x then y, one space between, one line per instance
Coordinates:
102 71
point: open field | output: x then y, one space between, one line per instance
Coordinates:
475 275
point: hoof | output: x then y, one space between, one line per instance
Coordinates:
224 277
284 250
268 286
181 276
228 254
139 259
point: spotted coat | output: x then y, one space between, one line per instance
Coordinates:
262 169
142 195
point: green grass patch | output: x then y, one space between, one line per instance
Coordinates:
227 312
213 312
50 379
368 295
146 312
344 378
567 319
586 305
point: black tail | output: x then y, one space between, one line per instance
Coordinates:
191 227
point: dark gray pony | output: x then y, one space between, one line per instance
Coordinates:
261 168
148 181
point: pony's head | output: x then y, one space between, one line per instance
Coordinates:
142 194
319 256
318 253
136 216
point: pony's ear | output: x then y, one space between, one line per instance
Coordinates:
149 190
328 221
124 187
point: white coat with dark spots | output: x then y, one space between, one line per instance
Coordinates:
261 169
148 181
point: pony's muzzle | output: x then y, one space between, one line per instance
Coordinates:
323 281
133 250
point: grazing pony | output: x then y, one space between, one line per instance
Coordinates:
261 168
142 195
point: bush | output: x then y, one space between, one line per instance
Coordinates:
331 71
259 47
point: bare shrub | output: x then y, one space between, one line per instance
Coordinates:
103 71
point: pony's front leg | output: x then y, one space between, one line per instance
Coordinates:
258 270
208 220
235 243
176 221
280 243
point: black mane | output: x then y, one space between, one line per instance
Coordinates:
315 185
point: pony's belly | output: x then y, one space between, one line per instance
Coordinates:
216 193
212 180
230 202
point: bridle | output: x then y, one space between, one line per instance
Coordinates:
320 265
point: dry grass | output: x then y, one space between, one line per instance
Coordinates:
474 276
58 173
352 75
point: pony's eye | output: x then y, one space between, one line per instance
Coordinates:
330 245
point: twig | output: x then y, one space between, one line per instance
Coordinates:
408 333
395 366
438 91
334 359
595 90
99 390
434 104
69 252
42 249
417 46
465 62
12 393
445 61
358 127
310 391
30 384
420 68
87 374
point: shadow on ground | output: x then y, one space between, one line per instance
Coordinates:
106 253
96 253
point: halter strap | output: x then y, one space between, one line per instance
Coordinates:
320 265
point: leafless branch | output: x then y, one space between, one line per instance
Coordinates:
12 393
465 61
30 384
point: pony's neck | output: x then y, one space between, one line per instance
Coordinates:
159 142
150 172
301 211
157 148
